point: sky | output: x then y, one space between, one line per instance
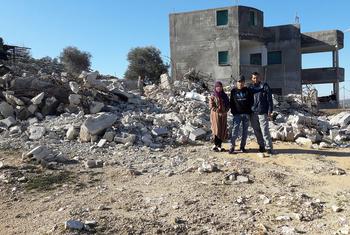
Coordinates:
108 29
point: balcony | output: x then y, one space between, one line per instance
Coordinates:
322 75
322 41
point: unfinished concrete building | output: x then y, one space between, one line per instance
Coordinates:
226 42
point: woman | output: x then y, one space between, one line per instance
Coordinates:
219 105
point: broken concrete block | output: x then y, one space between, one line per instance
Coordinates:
8 122
50 106
73 225
101 143
11 99
109 135
342 119
333 133
304 141
6 110
36 132
22 113
195 96
74 99
160 131
32 108
96 125
129 139
74 87
197 133
96 107
38 99
147 139
72 132
93 163
165 81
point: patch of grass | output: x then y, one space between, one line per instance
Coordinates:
48 181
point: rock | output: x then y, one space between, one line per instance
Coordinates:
160 131
93 163
283 218
333 133
208 167
96 107
50 106
15 130
8 122
22 113
336 208
195 96
165 81
129 139
11 99
109 135
197 133
96 125
6 110
286 230
36 132
39 152
147 139
342 119
324 145
38 99
74 99
101 143
73 225
262 155
2 165
32 108
338 171
74 87
72 132
345 230
303 141
242 179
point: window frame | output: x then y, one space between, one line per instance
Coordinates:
269 62
227 62
226 20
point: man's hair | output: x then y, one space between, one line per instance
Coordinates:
255 73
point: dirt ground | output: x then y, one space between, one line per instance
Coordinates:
291 192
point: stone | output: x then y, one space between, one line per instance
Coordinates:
22 113
72 132
165 81
32 121
74 87
242 179
8 122
286 230
38 152
336 208
147 139
342 119
303 141
262 155
15 130
36 132
93 163
324 145
74 99
195 96
73 225
6 110
50 106
32 108
96 125
129 139
160 131
101 143
109 135
196 134
2 165
283 218
333 133
208 167
11 99
338 171
38 99
96 107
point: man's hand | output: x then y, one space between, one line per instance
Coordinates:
269 115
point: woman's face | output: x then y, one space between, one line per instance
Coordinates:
218 88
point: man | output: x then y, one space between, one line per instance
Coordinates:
140 84
241 101
261 112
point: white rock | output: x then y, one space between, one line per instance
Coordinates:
101 143
74 87
72 133
336 208
38 99
8 122
32 108
93 163
95 125
36 132
303 141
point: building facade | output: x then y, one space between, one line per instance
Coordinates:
226 42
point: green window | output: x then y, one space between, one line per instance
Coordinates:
222 17
223 57
252 18
274 57
255 59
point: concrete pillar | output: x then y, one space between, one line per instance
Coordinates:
336 65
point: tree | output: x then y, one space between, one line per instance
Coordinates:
145 62
74 60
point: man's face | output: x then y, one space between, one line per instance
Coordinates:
240 84
255 79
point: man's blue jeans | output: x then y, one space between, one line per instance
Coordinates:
237 120
260 124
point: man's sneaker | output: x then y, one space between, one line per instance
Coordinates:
232 150
221 149
262 149
243 150
271 151
215 148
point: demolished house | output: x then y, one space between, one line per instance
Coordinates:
226 42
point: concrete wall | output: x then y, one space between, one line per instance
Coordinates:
252 47
285 38
246 30
196 40
321 41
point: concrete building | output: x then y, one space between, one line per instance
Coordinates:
229 41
